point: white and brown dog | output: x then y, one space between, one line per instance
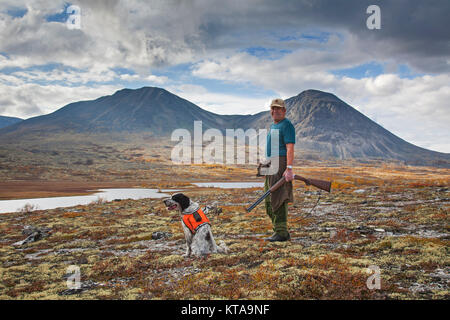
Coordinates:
196 226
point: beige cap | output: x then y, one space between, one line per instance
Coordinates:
277 103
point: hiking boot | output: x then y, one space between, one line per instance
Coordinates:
277 237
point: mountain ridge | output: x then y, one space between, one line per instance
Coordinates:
7 121
324 123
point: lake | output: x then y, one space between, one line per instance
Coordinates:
230 185
111 194
106 194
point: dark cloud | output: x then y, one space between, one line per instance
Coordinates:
413 32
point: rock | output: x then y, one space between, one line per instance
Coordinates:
359 191
307 192
85 285
160 235
28 230
33 233
379 230
82 260
73 210
363 229
35 236
441 273
212 209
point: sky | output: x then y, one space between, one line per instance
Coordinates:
233 57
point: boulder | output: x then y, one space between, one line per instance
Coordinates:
33 234
160 235
85 285
212 209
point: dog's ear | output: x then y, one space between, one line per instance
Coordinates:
183 200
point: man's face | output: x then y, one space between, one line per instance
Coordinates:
277 114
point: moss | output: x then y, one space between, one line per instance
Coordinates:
132 294
317 267
171 260
385 244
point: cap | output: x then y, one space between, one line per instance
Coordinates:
277 103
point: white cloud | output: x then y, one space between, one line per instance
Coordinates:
29 99
416 109
130 34
142 35
218 102
157 79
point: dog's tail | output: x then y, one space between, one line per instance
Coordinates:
222 247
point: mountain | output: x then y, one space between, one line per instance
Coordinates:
324 124
328 125
7 121
148 109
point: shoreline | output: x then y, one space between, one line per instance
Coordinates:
28 189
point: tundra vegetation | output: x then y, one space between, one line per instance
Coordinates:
392 216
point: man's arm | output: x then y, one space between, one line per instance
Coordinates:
288 173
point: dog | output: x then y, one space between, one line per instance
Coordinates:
196 226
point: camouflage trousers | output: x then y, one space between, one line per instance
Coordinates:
278 217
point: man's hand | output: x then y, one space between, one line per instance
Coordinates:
288 175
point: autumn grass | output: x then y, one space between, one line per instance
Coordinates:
327 257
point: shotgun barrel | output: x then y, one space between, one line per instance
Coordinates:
268 192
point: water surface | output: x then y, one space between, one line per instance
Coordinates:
110 195
230 185
106 194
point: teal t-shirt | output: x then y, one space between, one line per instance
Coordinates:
286 134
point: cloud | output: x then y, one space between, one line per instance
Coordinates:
415 109
140 34
28 100
157 79
220 103
282 47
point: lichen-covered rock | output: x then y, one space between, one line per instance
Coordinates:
212 209
33 234
161 235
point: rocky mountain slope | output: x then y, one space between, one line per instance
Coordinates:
328 125
7 121
325 125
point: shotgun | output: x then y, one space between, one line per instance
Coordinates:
321 184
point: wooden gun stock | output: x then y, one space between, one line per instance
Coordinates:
321 184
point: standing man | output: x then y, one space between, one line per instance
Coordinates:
277 203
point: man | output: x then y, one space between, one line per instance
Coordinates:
277 203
